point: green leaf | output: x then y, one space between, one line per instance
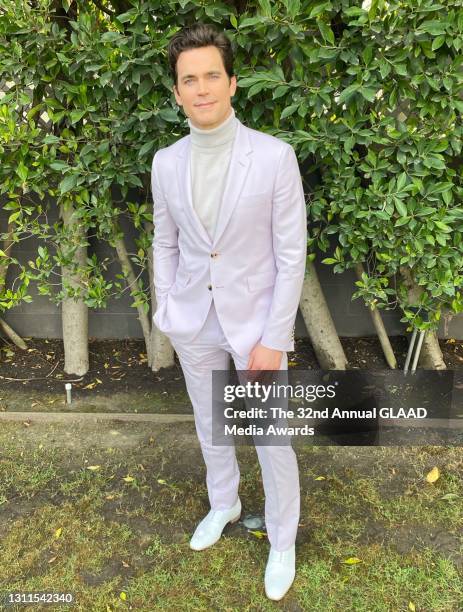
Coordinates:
384 68
402 221
354 11
434 27
13 216
401 69
447 197
348 92
279 91
77 115
400 206
68 183
401 181
255 89
438 42
289 110
60 166
128 16
368 93
146 148
318 9
293 7
22 171
250 21
326 31
169 114
367 54
442 226
50 139
110 36
265 7
144 87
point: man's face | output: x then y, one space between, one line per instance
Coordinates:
203 87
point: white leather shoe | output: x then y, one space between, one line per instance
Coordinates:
280 572
210 528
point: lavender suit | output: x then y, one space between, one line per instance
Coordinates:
220 297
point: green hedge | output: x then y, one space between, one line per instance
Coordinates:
371 99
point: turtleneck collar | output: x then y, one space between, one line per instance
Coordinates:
217 136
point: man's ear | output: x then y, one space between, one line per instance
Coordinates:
233 85
177 96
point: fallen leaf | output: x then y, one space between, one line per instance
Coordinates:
411 605
123 596
93 467
58 532
125 564
320 478
51 560
433 475
258 534
450 496
109 496
128 479
352 561
161 481
26 423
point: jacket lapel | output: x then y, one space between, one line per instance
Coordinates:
240 162
184 182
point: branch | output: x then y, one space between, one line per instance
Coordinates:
103 8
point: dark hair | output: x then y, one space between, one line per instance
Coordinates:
195 36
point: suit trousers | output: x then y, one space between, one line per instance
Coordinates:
209 351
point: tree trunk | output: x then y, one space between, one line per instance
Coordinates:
12 335
319 323
160 351
431 355
8 331
74 310
129 275
379 327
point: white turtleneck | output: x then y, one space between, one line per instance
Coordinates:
209 162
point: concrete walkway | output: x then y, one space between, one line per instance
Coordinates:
63 417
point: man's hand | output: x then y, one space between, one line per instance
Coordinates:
263 358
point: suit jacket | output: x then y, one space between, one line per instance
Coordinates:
254 266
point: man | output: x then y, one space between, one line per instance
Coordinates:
229 256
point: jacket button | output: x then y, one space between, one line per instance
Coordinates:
209 287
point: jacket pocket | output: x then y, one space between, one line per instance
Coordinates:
261 280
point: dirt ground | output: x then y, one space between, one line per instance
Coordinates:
121 365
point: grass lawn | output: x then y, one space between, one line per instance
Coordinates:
105 510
